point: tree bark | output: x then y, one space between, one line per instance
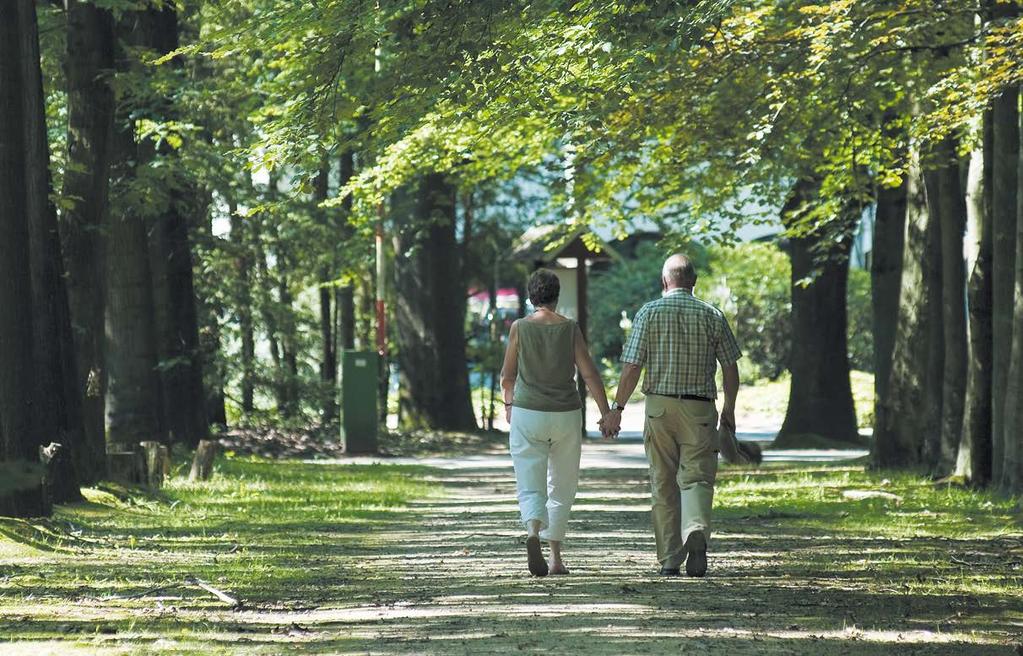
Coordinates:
1004 190
974 459
170 253
912 407
1012 427
18 440
345 300
430 309
58 408
134 405
90 109
328 354
946 201
820 397
243 305
885 281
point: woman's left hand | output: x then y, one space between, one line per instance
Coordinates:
507 414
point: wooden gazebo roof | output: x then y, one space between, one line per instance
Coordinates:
543 244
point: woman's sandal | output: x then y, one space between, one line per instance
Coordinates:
537 563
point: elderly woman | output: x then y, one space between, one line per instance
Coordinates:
543 407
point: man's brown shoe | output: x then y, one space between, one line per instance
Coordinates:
696 554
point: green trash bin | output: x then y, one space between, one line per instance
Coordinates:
360 371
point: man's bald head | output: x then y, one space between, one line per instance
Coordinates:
678 272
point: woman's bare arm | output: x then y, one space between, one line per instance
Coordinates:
589 373
510 370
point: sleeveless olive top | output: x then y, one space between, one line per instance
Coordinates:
546 367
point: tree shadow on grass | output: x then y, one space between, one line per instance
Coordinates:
789 574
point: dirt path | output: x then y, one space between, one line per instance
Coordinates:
452 580
790 573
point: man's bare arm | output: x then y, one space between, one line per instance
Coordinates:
731 381
628 382
626 386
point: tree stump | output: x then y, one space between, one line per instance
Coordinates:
202 464
58 485
157 463
126 467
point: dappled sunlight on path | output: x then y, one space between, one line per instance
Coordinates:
460 583
447 575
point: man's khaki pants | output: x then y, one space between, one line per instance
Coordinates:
680 436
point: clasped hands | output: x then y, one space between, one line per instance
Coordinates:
611 424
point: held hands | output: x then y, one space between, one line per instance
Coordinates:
611 424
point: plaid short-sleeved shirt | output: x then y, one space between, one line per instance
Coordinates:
678 338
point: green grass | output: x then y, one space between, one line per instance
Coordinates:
109 575
769 398
931 539
278 534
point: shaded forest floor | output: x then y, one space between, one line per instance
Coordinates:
334 558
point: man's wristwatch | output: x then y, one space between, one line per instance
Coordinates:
616 406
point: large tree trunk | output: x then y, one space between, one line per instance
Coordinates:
58 407
19 495
885 281
1004 189
430 310
177 326
1012 427
912 407
820 397
946 202
90 109
133 396
974 459
170 252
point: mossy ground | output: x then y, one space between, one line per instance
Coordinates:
329 558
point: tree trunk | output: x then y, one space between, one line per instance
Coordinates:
289 406
58 407
945 199
345 300
177 326
175 316
430 309
328 354
211 313
974 458
20 482
912 407
1004 189
243 306
133 396
1012 427
820 398
90 111
885 280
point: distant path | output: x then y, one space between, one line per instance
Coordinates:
453 581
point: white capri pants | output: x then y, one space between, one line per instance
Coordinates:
545 449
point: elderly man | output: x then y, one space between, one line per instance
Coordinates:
680 339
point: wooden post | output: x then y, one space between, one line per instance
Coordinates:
202 464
